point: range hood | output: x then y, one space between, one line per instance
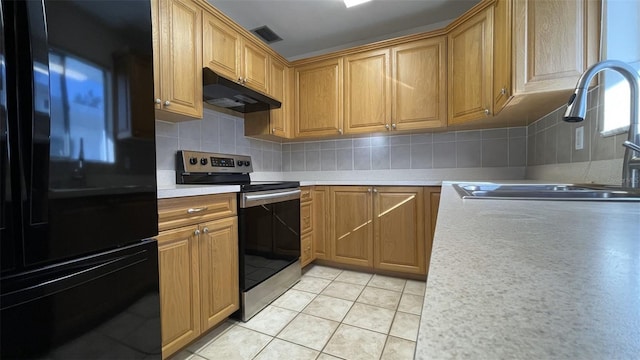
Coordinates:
222 92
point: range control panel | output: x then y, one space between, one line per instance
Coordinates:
203 162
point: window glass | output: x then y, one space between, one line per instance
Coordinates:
80 95
621 41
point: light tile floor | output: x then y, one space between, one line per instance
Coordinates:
330 314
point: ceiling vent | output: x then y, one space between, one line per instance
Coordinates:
267 35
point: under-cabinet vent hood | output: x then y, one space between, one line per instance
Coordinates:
222 92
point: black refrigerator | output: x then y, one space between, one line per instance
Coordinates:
78 209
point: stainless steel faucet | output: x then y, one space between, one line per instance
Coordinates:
577 109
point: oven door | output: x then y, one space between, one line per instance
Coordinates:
269 234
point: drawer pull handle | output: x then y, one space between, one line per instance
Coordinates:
196 210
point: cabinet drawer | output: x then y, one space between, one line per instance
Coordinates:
176 212
306 194
306 249
306 212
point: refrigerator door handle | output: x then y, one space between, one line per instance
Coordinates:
72 277
34 114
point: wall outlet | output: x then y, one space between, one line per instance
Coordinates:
580 138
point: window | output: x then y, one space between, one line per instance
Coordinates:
80 109
620 41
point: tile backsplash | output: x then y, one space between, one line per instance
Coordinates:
552 141
219 132
459 149
216 132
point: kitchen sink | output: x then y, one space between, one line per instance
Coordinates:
585 192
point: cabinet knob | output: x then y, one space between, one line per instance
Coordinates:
369 190
158 101
386 126
503 91
240 80
393 126
167 103
205 230
486 111
375 190
273 131
340 131
197 232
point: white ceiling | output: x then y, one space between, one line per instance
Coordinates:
313 27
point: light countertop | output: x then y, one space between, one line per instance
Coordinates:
172 191
533 280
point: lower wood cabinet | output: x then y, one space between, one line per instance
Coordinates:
350 240
320 220
388 228
306 226
399 237
179 288
378 227
198 266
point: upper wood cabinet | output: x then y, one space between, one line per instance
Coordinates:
502 79
318 98
226 52
278 87
367 97
221 47
470 68
177 47
419 84
555 42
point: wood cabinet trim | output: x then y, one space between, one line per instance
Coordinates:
174 212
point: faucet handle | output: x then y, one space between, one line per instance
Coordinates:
631 145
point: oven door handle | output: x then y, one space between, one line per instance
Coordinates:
249 200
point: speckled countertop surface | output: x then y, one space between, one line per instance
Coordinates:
525 279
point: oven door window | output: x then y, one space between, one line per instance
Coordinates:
270 240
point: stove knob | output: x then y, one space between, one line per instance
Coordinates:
240 162
203 161
193 161
247 163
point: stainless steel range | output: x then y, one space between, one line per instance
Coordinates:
268 225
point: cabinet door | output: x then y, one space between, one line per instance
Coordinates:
351 225
306 249
320 222
367 103
180 57
555 42
218 270
221 47
419 87
470 69
255 67
306 215
179 288
501 55
277 88
399 241
318 94
431 204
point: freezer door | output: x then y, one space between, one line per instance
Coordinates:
104 306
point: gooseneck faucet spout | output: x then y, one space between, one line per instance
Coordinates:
577 109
